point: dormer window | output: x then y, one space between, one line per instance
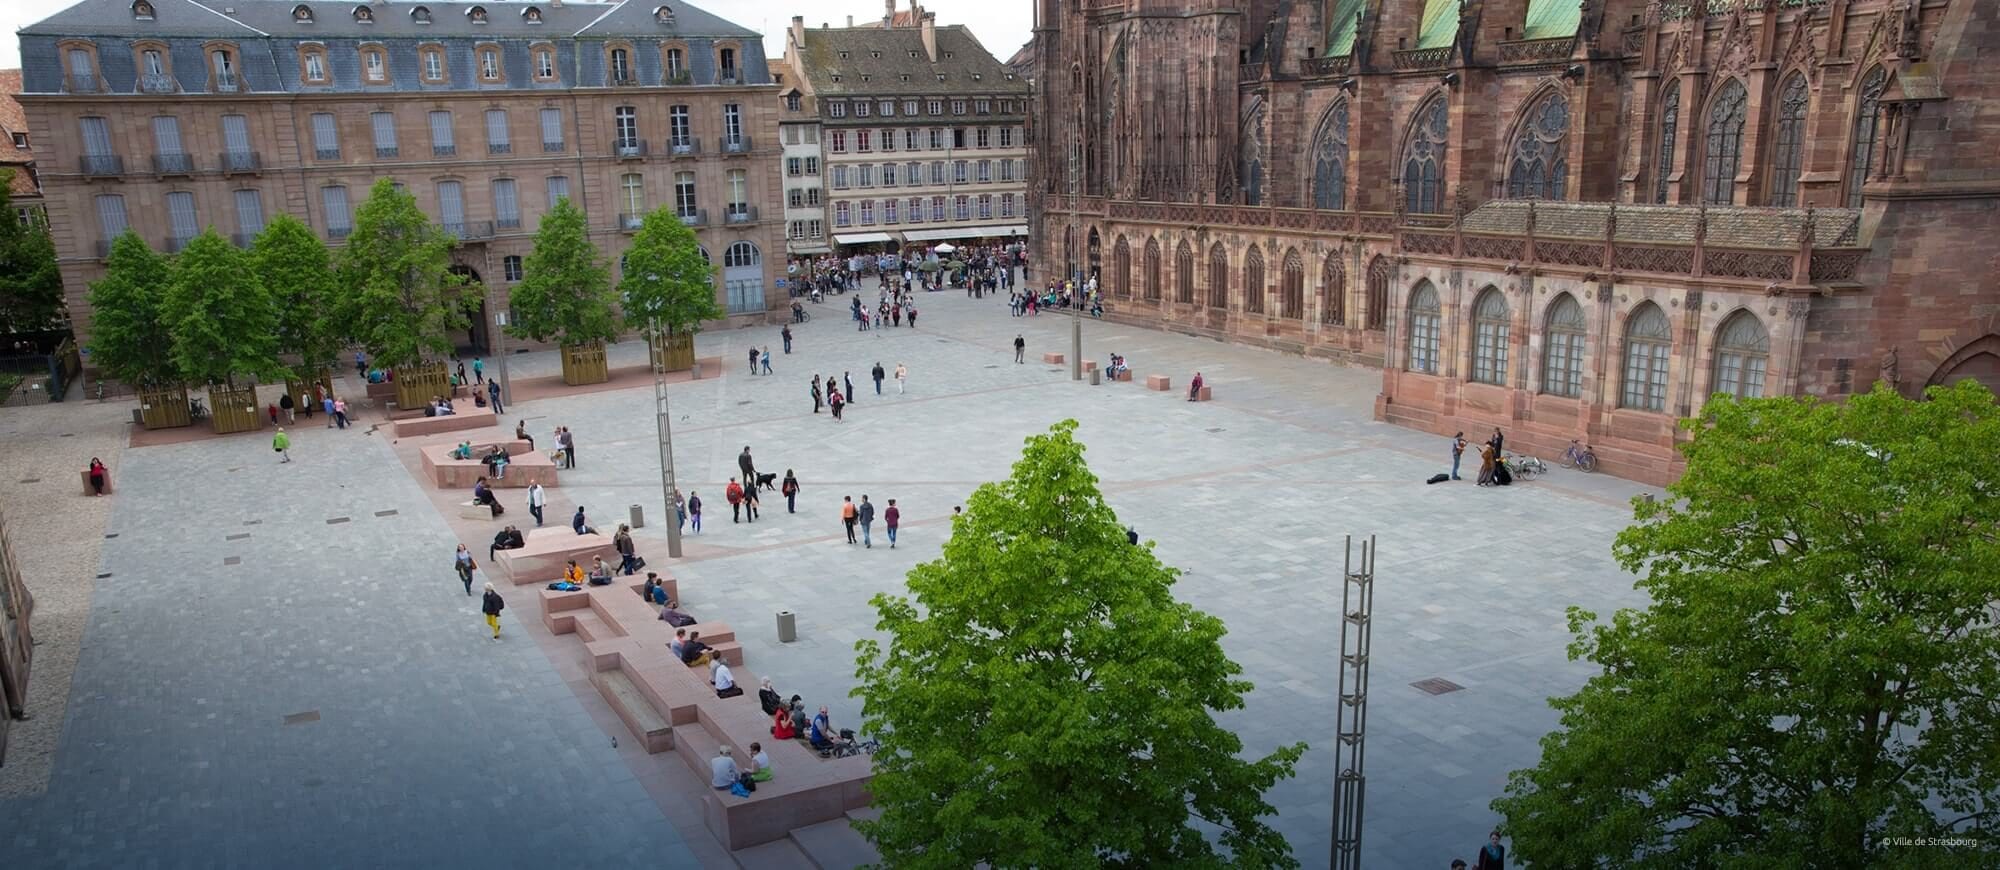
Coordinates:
364 15
374 65
545 63
477 14
904 77
302 14
975 77
836 78
142 10
875 54
222 68
433 60
621 66
677 71
421 15
663 15
947 55
531 15
913 53
489 63
940 76
312 65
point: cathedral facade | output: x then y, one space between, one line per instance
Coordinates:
1568 220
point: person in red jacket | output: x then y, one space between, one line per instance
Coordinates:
734 493
893 517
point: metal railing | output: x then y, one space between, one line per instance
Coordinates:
338 232
384 153
628 149
696 218
630 222
103 164
241 161
553 147
81 84
681 77
728 76
326 153
686 145
622 78
508 223
478 230
738 145
444 150
227 83
499 148
158 84
173 164
740 213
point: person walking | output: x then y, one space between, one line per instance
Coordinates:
1492 856
285 404
891 518
790 489
750 500
462 562
748 467
734 494
493 396
902 377
282 443
815 394
340 412
326 404
786 334
835 402
694 512
491 605
753 360
766 359
1457 453
680 509
847 386
1020 349
628 559
478 370
866 514
848 515
879 374
1486 460
913 317
537 499
361 365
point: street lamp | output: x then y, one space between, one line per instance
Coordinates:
1076 240
663 417
500 350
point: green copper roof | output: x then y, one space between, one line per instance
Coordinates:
1552 19
1340 35
1440 24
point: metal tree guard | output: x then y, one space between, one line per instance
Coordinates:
1357 604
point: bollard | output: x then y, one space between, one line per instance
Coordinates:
638 517
788 627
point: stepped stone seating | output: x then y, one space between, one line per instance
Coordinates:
469 417
547 551
668 705
525 465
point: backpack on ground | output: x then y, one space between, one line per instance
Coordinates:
1438 478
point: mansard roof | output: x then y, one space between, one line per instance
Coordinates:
336 19
884 56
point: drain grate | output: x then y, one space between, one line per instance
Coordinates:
237 537
746 401
69 435
994 366
1437 686
232 560
302 718
110 535
385 513
253 522
336 521
104 576
31 480
1216 429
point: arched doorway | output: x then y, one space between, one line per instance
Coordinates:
1096 253
1977 361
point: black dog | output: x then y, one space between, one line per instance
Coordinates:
764 482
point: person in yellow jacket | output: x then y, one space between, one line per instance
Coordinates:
573 574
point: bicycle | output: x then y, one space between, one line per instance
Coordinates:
847 748
1525 467
1581 458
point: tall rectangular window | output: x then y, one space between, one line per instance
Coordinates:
985 206
985 171
840 177
182 224
961 208
333 202
82 72
916 211
911 137
506 205
960 172
841 215
632 194
937 172
372 67
552 131
1006 205
498 140
888 209
558 188
442 142
937 138
166 136
1006 137
739 192
864 140
384 126
625 127
982 137
326 136
888 175
679 128
110 215
236 134
837 141
684 199
249 215
451 207
794 166
865 175
732 124
867 207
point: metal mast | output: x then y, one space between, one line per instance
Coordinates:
1357 604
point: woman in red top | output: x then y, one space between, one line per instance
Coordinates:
781 725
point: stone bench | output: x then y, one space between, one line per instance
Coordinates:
1089 365
1161 383
1054 359
525 466
472 510
1124 374
469 418
547 551
1204 394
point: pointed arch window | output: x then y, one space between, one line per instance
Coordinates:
1253 281
1250 160
1562 348
1121 265
1330 159
1670 125
1184 274
1867 130
1539 166
1722 148
1649 343
1742 351
1218 276
1424 156
1489 337
1152 270
1380 276
1788 151
1424 317
1292 288
1332 291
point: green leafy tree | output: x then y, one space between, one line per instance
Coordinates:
31 291
565 288
223 323
296 271
130 339
1045 702
403 304
667 277
1819 671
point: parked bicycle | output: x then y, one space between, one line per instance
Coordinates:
1525 467
1579 456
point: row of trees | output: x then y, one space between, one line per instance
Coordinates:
215 313
31 294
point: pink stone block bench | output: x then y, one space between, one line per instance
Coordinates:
1054 359
1161 383
85 475
547 551
525 465
1090 365
469 418
1204 394
1124 374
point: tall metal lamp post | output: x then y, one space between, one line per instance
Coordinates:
500 350
1076 240
663 417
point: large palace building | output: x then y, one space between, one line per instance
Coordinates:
1566 220
170 116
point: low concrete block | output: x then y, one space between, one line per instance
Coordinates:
545 553
1204 394
470 418
85 476
1054 359
1161 383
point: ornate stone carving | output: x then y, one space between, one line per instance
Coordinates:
1738 51
1890 373
1797 309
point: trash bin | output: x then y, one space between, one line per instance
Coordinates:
638 517
1095 377
788 627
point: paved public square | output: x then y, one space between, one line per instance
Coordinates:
434 744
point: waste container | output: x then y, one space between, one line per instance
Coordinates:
1095 376
638 517
788 627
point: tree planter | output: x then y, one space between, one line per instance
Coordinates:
678 352
584 364
233 410
164 407
416 384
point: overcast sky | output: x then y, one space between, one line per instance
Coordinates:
1001 25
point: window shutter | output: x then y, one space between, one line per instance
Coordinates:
334 200
326 135
249 212
451 204
236 134
552 127
97 138
558 188
441 130
385 129
505 206
496 127
180 215
167 134
111 215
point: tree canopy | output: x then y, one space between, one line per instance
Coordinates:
296 271
565 289
129 336
223 324
403 303
1046 702
1819 671
31 290
666 276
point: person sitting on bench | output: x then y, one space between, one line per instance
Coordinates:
572 574
497 460
600 573
723 681
462 451
508 539
483 494
1117 367
672 615
581 525
521 434
821 731
767 698
694 653
781 724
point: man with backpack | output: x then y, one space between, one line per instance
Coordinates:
734 493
